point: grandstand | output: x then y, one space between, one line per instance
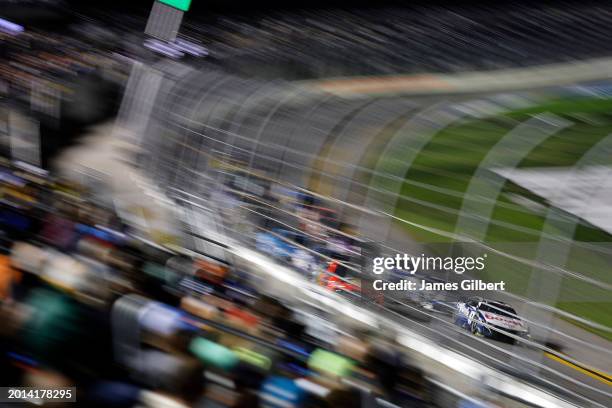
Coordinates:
323 43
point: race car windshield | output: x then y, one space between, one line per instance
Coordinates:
499 309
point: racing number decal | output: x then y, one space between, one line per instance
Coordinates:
471 316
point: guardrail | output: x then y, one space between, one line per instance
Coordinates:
196 137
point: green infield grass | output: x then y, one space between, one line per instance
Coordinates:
437 180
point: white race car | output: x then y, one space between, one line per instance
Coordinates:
490 319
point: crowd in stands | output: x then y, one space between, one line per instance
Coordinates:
311 43
87 303
435 38
47 61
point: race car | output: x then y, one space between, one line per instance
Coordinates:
490 318
338 278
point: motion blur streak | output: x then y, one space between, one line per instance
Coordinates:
193 197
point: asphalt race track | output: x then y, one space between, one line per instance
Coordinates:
321 142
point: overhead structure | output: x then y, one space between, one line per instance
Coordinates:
165 19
